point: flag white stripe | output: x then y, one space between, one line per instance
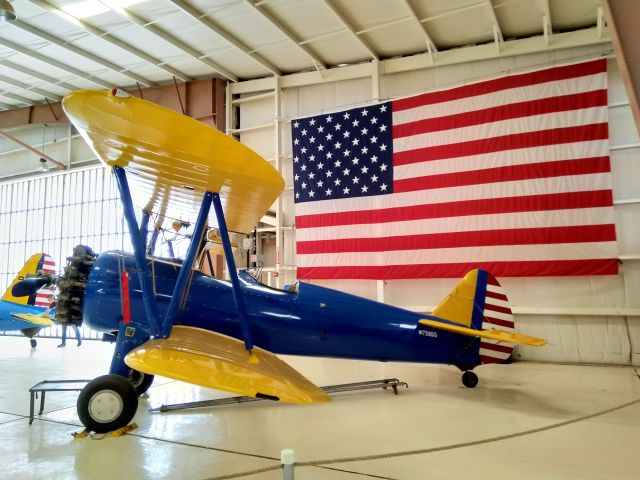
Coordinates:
543 154
545 252
585 116
537 186
498 221
525 93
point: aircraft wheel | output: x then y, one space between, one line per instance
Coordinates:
107 403
469 379
141 381
33 342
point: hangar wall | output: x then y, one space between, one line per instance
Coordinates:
594 319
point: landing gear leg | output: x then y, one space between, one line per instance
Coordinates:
140 381
30 333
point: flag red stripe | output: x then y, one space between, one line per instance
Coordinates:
525 171
553 136
514 236
576 101
607 266
495 347
495 85
498 322
498 296
554 201
496 308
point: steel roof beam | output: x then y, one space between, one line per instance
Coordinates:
25 86
453 12
41 76
107 37
82 53
547 26
211 25
287 33
431 47
497 31
167 37
351 30
54 63
19 98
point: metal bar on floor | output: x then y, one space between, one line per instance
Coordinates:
392 383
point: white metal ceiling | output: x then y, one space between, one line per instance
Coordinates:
48 51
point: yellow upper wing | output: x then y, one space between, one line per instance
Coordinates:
172 159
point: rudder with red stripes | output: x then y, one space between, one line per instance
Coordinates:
478 303
37 264
497 314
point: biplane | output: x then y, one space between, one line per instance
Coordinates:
28 313
173 320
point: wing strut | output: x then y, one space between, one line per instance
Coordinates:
183 277
139 247
233 272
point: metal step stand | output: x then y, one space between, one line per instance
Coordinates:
51 386
393 383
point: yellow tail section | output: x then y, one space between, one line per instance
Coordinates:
458 305
38 262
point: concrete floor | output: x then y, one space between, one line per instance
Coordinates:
524 421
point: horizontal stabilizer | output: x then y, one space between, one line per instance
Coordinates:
493 334
213 360
40 320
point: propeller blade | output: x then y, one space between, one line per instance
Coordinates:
30 285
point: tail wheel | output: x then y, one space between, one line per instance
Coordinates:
469 379
107 403
140 381
33 342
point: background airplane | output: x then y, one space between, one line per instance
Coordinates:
172 320
25 313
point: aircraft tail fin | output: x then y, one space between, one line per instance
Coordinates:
38 263
478 306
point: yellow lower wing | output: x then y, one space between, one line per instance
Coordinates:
40 320
213 360
492 334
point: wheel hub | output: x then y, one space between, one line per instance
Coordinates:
105 406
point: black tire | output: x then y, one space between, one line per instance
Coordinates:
469 379
33 342
107 403
140 381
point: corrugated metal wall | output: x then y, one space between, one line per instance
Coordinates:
54 213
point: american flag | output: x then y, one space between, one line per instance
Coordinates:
511 175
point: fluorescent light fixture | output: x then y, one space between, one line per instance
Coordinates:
85 9
7 13
90 8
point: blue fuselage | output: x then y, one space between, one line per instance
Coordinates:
314 321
